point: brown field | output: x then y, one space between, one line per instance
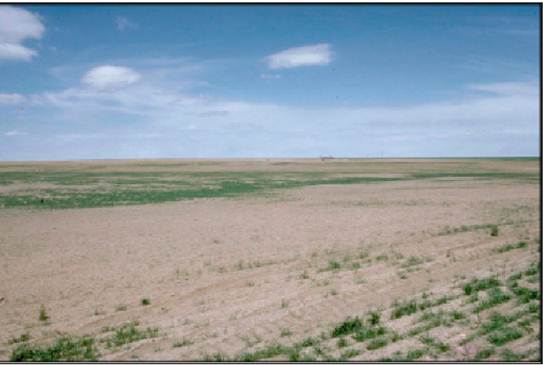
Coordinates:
273 273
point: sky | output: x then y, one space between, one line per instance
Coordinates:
229 81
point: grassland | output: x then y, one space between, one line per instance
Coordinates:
60 187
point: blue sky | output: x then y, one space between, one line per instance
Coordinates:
141 81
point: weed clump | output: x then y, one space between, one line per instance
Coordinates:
481 284
145 301
511 246
129 332
63 349
349 326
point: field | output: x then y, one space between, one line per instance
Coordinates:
294 259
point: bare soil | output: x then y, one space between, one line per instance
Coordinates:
234 275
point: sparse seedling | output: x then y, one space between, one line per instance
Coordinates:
284 303
145 301
184 342
285 332
494 231
121 308
43 316
342 342
22 338
377 343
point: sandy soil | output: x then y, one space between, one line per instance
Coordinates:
230 274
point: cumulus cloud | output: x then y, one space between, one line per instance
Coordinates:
11 98
110 77
16 26
125 24
312 55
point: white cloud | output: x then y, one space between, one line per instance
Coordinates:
11 98
16 26
313 55
125 24
110 77
15 133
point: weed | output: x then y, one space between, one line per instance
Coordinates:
121 308
510 356
413 261
364 334
43 316
507 334
404 309
347 354
374 318
350 325
182 343
285 332
481 284
342 342
495 297
129 332
265 353
22 338
145 301
510 246
63 349
309 341
333 265
382 258
377 343
284 303
484 353
494 231
438 345
525 295
415 354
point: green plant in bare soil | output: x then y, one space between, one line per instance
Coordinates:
129 332
43 316
476 285
511 246
22 338
63 349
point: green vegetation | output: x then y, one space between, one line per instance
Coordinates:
377 343
350 325
506 334
412 306
481 284
145 301
94 186
129 332
495 297
43 316
22 338
494 231
184 342
63 349
484 353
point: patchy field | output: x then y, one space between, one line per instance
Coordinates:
270 260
